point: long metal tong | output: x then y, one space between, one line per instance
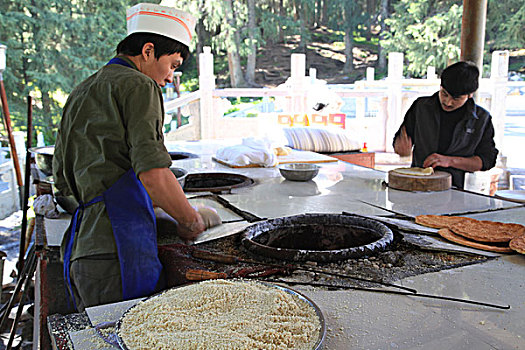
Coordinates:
231 259
420 295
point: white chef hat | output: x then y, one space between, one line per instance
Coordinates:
167 21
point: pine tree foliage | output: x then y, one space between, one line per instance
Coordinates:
52 45
505 25
55 44
428 32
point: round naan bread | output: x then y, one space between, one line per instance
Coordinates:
415 171
439 221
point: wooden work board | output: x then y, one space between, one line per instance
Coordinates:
294 157
439 181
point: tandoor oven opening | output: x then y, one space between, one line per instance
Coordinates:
182 155
216 182
317 237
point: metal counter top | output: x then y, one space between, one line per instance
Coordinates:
366 320
338 187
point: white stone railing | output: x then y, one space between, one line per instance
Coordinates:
395 95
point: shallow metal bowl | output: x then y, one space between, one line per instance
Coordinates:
299 171
180 174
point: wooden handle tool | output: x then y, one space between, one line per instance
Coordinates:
202 275
222 258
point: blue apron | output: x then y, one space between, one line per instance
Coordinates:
130 211
132 218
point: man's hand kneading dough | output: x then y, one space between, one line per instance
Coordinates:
209 216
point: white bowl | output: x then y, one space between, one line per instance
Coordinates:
299 171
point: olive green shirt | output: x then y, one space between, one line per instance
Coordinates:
111 122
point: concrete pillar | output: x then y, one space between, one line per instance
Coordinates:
431 73
395 94
298 91
298 66
360 103
206 119
498 80
473 31
40 142
370 73
312 73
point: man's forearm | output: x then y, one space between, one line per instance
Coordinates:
166 192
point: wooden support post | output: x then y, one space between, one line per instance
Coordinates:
473 31
7 122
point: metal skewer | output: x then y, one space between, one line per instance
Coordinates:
421 295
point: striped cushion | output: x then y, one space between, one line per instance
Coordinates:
321 139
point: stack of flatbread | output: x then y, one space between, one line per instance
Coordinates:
486 235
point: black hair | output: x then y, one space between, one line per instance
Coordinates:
132 45
461 78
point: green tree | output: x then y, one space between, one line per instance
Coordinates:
505 25
428 32
52 46
346 16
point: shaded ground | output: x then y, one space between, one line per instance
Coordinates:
324 54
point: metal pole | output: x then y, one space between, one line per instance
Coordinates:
7 122
177 90
22 250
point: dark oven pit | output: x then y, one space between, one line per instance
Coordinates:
182 155
216 182
317 237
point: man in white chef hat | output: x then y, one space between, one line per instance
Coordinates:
110 156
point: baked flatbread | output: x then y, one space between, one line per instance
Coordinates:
415 171
439 221
488 231
518 244
449 235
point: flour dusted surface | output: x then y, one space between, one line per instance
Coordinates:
221 314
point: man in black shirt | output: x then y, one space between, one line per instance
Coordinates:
448 131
